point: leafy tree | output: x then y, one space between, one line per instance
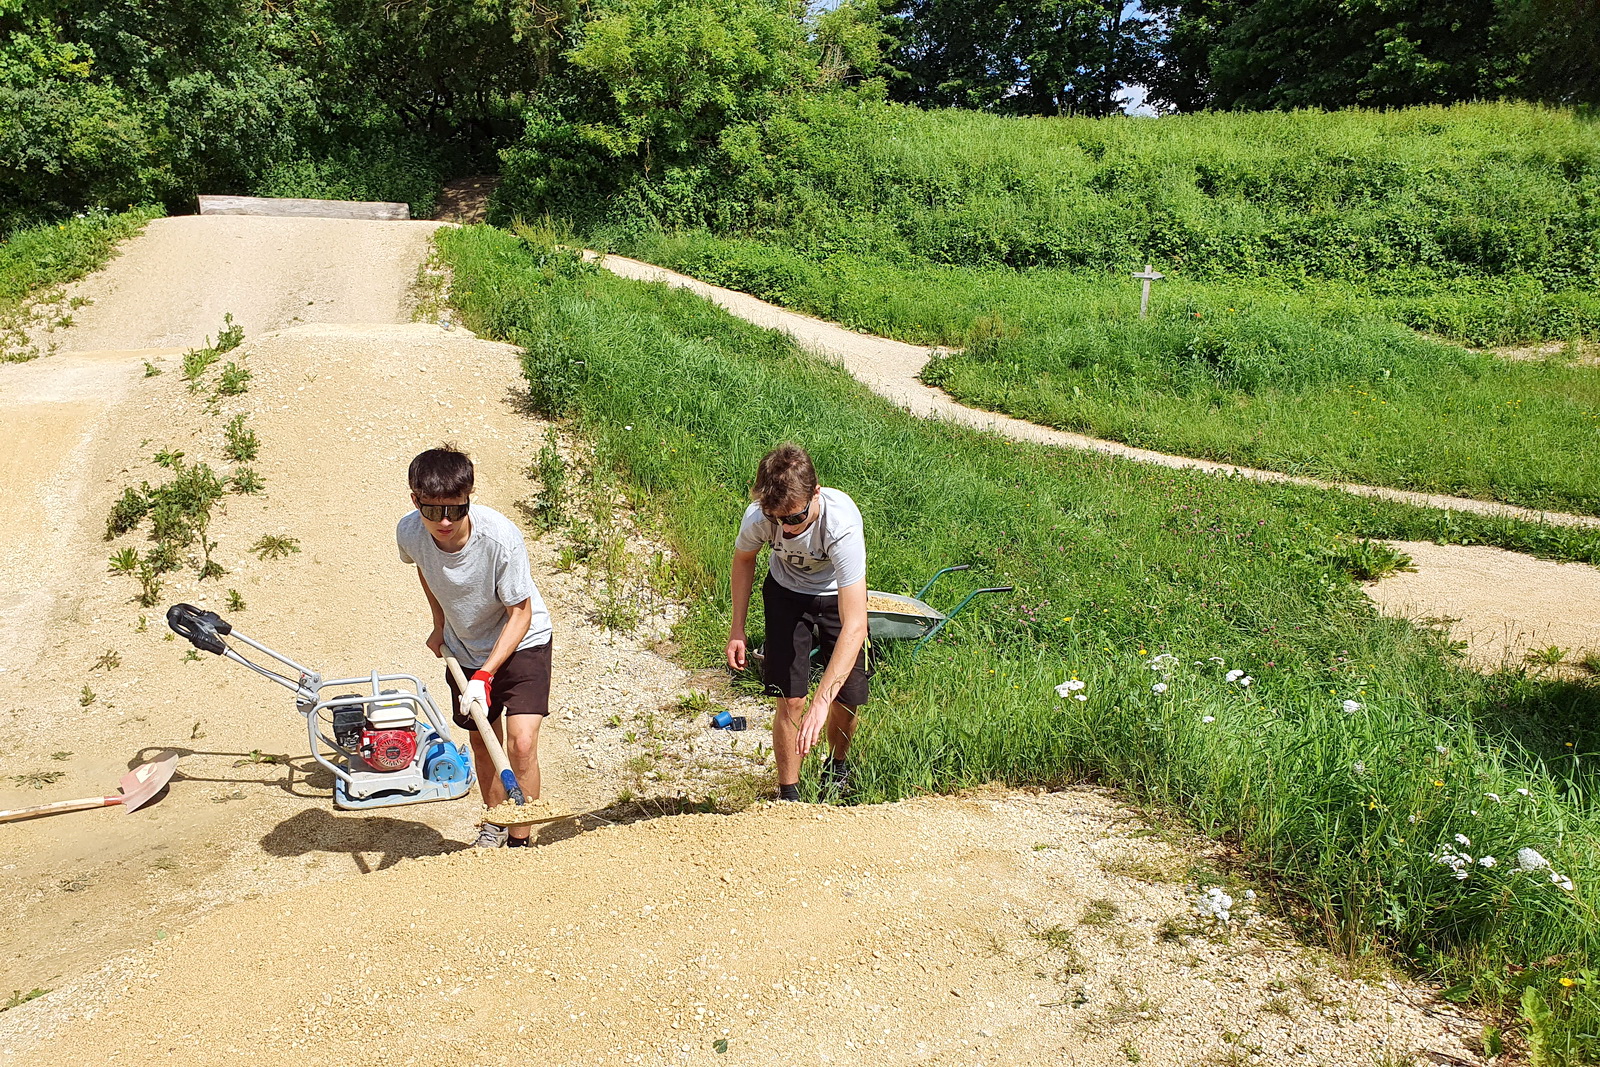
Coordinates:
1039 57
1256 54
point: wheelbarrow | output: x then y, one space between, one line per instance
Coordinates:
892 617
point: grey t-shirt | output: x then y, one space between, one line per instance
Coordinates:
477 583
822 559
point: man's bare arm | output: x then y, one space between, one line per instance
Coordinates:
852 636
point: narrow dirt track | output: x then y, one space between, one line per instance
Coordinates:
890 368
1542 608
241 916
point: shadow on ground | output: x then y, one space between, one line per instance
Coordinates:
357 835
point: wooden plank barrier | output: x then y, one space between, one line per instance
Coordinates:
286 207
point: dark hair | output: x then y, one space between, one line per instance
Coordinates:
441 472
784 476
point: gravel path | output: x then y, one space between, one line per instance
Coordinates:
890 368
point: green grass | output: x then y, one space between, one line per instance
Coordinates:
1115 564
1330 381
36 260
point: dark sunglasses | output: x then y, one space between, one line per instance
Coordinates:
435 512
792 520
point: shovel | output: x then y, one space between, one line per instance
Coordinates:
480 718
138 786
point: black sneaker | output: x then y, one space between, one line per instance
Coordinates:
836 779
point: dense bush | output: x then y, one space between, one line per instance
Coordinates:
1419 194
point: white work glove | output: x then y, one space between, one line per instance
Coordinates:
477 689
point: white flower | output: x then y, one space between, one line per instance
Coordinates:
1524 792
1359 767
1493 796
1411 818
1159 687
1463 839
1233 675
1250 895
627 427
1460 874
1441 750
1162 662
1487 861
1080 696
1561 880
1351 707
1529 860
1209 718
1215 659
1247 681
1071 685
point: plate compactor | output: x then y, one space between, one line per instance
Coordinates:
387 745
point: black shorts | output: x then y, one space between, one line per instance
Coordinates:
797 622
521 687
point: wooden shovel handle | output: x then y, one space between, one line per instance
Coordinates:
480 718
59 806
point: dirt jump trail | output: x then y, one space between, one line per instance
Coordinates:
242 916
890 369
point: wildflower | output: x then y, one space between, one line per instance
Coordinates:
1159 687
1233 675
627 427
1494 797
1215 659
1247 681
1080 696
1461 875
1463 840
1567 983
1441 750
1411 818
1209 719
1438 784
1487 861
1071 685
1350 707
1523 792
1530 860
1165 661
1359 767
1561 881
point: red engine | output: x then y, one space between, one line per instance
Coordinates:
388 750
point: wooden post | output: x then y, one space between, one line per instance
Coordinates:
1148 275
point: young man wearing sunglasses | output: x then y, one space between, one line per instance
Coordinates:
815 595
473 565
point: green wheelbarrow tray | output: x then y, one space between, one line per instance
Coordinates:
919 621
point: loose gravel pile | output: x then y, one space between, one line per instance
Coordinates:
1011 929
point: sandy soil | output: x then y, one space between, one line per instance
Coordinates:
241 916
1502 604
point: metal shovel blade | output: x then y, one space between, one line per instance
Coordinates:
147 779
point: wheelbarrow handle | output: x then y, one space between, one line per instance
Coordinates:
934 630
202 629
480 718
958 567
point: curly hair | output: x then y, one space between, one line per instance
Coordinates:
784 476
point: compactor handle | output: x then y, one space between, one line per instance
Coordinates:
202 629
